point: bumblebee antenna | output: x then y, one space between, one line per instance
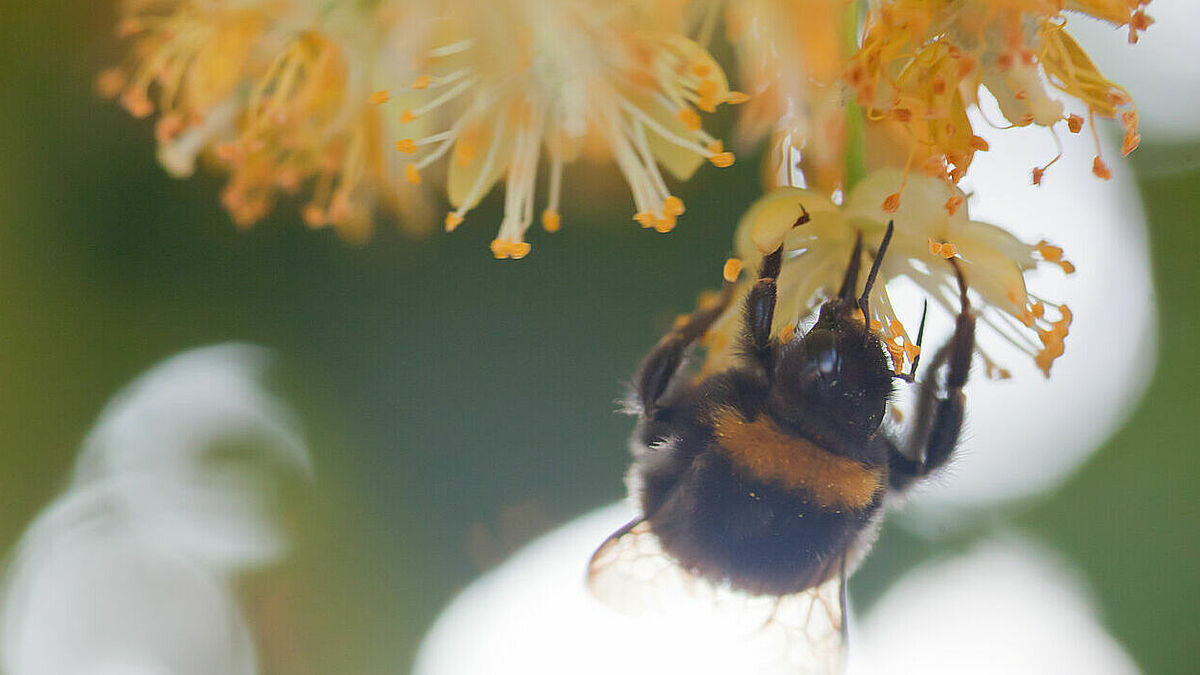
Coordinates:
866 294
850 282
912 372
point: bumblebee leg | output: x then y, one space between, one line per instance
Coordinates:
658 368
760 305
760 311
939 411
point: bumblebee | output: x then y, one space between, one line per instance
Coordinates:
770 478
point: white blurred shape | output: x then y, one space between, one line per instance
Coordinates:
1162 71
1025 435
129 571
1005 607
532 615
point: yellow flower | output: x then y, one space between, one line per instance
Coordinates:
790 57
276 92
922 62
927 233
510 80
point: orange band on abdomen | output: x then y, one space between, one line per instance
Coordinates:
771 455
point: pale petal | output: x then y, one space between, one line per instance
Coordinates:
1005 607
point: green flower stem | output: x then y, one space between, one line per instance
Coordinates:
854 163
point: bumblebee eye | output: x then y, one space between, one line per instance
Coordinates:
826 362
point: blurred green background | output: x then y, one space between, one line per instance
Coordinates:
457 405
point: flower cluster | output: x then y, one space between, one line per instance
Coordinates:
513 80
925 237
922 63
357 102
276 92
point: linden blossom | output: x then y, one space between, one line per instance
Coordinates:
579 79
921 64
277 93
932 224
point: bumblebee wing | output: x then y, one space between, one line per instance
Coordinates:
798 634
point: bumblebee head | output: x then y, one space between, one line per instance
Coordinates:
837 373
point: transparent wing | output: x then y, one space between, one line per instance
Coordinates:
797 634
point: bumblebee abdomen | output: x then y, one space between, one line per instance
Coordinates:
760 450
726 524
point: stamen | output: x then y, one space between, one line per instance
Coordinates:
788 333
733 267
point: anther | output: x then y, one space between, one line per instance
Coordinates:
733 267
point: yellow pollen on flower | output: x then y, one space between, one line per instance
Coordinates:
722 160
891 202
733 267
707 91
912 351
943 249
136 103
787 333
691 120
110 82
168 127
673 206
407 116
896 352
421 82
1067 266
1038 309
412 174
127 27
644 218
1049 252
406 145
1101 169
452 221
1053 340
1074 123
515 250
978 143
1130 142
1038 174
380 97
953 203
314 216
551 220
701 69
664 225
